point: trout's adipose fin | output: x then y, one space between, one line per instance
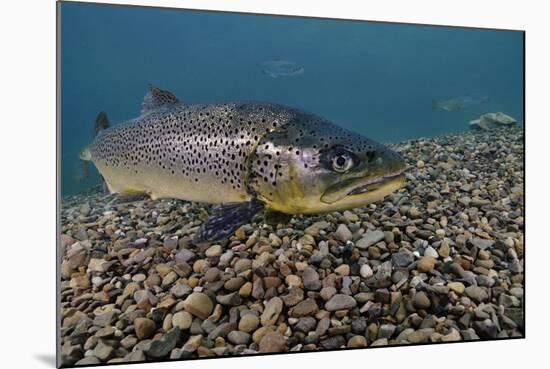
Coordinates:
225 220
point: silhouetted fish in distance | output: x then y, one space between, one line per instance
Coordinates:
281 68
458 103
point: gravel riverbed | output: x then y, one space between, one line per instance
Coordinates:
440 260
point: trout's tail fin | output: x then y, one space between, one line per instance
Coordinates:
101 123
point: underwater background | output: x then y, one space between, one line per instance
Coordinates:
377 79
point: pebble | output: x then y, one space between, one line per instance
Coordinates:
457 287
421 300
239 338
366 271
369 239
357 341
340 302
199 305
272 342
144 327
476 293
342 270
311 279
213 251
426 264
249 323
403 258
305 308
182 320
272 311
343 233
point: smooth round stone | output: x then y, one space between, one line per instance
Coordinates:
273 342
213 251
140 277
343 270
366 271
242 264
238 338
198 304
182 320
340 302
430 251
421 300
457 287
357 341
327 292
234 283
246 289
249 323
144 328
199 265
426 264
350 216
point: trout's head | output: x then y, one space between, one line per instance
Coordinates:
313 166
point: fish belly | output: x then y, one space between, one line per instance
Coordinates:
157 185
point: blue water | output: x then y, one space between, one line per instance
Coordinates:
377 79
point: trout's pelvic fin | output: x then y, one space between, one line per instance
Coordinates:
225 220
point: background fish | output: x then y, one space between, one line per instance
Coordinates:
459 103
250 155
281 68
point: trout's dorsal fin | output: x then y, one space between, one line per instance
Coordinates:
156 98
101 123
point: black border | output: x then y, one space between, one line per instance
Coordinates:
58 184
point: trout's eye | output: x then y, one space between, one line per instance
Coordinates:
342 162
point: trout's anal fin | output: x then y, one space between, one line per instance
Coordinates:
156 98
225 220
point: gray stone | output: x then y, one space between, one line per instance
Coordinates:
238 337
369 239
161 348
340 302
311 279
343 233
403 258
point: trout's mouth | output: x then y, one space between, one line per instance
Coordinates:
356 188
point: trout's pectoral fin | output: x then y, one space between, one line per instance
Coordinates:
225 220
129 198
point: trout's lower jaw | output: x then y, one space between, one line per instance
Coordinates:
372 194
360 192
